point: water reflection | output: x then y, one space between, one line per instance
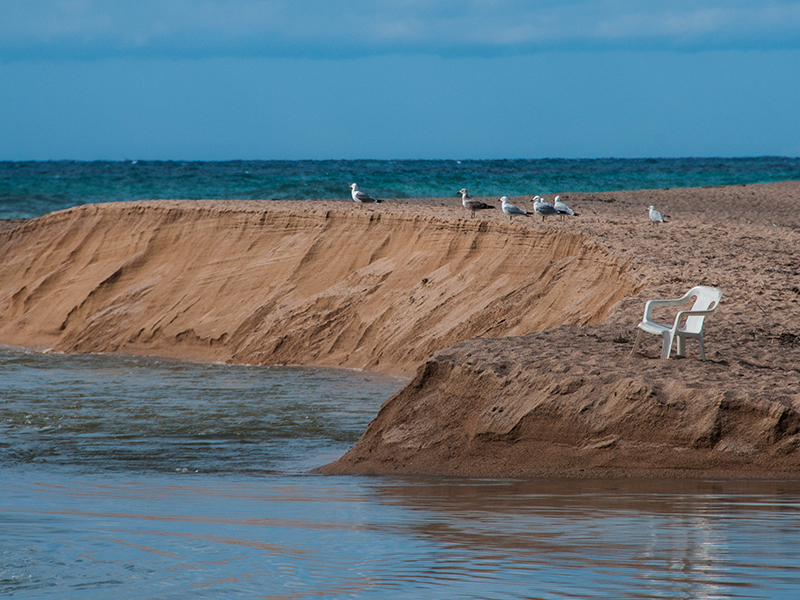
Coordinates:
301 536
692 539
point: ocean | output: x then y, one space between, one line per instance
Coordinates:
31 189
136 477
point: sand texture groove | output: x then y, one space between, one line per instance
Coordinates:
291 282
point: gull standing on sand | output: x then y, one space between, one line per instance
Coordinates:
541 207
361 197
512 210
655 216
471 204
562 208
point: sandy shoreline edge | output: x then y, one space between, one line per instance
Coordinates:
504 389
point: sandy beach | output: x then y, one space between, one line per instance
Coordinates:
516 334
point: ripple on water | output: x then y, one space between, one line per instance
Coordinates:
138 414
165 535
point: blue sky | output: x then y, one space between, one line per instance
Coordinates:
267 79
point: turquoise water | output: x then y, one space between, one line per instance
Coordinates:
131 478
31 189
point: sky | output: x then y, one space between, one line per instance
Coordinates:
398 79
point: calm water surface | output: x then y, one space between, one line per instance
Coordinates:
125 477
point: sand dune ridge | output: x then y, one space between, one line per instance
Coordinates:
291 282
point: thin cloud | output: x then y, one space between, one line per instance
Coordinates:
696 22
68 29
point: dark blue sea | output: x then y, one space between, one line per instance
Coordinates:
31 189
134 478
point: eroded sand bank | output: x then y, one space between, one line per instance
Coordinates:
292 282
573 402
475 306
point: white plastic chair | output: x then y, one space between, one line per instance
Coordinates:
707 300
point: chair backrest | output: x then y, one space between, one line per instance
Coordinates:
706 298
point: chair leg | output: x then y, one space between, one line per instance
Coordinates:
666 346
681 345
638 339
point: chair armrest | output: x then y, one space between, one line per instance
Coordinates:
689 313
651 304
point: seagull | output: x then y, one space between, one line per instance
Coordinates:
361 197
562 208
543 208
511 210
471 204
655 216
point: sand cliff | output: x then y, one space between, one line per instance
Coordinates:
520 332
291 282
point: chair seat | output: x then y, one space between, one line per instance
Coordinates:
654 328
660 329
